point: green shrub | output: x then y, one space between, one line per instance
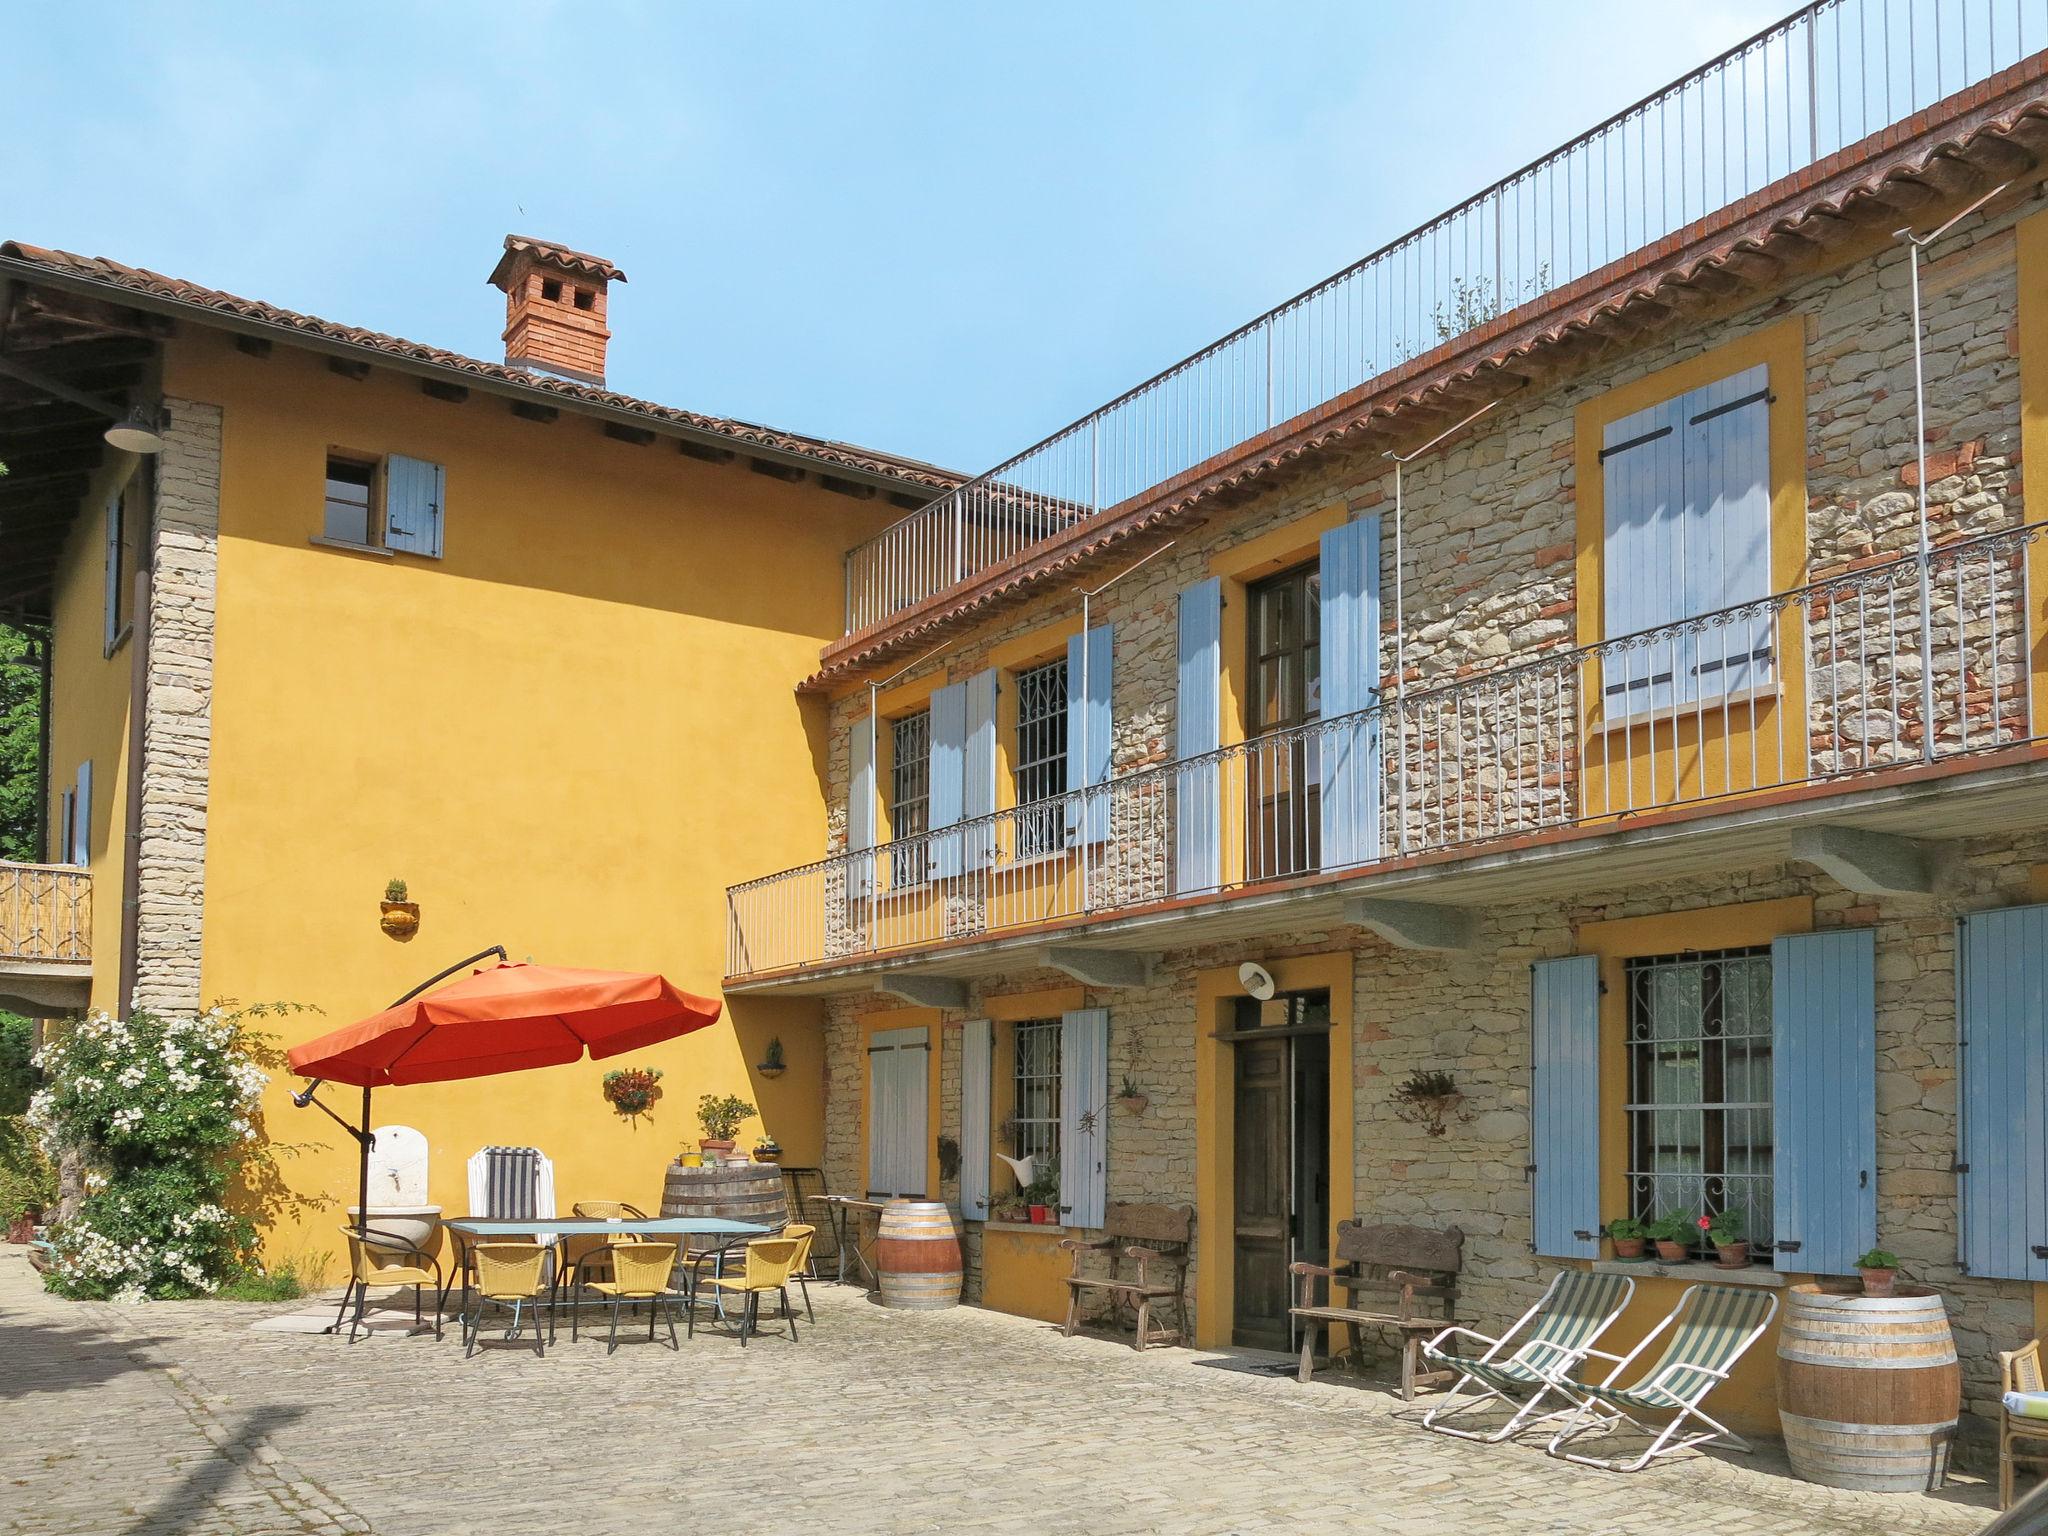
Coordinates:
28 1180
162 1114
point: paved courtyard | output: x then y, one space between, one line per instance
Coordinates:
177 1418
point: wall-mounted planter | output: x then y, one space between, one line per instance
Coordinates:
1133 1103
770 1071
401 919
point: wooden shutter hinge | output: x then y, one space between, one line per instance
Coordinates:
2041 1250
1584 1236
1789 1246
1958 1167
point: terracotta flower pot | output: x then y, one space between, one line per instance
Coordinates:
770 1071
1671 1252
1628 1247
710 1145
1734 1255
1133 1103
1879 1282
22 1229
401 919
1041 1215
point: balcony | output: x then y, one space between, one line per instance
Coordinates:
45 937
1715 739
1825 80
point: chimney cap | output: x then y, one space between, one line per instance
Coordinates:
547 253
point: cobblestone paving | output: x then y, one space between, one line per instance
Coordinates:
168 1418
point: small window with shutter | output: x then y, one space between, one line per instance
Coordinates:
392 504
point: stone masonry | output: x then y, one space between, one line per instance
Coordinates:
177 725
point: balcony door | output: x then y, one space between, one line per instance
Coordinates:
1284 696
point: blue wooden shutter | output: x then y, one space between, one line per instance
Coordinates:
947 783
976 1047
1643 494
1564 1103
413 493
81 810
1198 726
1088 731
1349 748
978 778
1084 1116
1724 555
2002 1008
860 808
1823 1098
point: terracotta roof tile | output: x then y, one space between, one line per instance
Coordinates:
138 280
555 256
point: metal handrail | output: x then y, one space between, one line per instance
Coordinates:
1569 735
1827 76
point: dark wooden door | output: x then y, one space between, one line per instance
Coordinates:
1283 781
1263 1208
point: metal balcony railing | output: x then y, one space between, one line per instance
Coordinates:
1820 684
45 912
1824 78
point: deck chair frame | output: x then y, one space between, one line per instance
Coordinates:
1527 1373
1604 1405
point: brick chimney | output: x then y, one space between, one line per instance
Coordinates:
554 308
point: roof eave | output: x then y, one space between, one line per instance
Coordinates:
36 275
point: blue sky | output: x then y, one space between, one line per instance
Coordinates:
940 229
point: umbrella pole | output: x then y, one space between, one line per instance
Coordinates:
364 1143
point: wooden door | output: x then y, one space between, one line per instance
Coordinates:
1283 759
1263 1207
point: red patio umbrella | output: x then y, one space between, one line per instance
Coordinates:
500 1018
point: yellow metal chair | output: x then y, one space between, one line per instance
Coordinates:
576 1250
640 1273
2023 1415
768 1266
366 1274
800 1267
509 1276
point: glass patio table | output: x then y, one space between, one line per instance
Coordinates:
468 1231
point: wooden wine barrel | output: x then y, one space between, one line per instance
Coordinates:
1868 1388
750 1193
917 1256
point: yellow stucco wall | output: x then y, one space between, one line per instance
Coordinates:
89 695
568 736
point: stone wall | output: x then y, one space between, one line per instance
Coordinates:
1468 1014
177 728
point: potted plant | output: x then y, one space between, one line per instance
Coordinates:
771 1064
1880 1271
1670 1234
1629 1236
632 1090
1131 1098
767 1151
401 917
1430 1100
720 1116
1042 1194
1724 1231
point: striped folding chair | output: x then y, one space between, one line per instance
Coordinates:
1710 1329
1555 1337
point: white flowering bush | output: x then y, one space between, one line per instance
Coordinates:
162 1114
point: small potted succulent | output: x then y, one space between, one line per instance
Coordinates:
1629 1236
766 1150
1880 1271
1670 1234
1131 1098
771 1064
720 1116
401 917
632 1090
1042 1194
1724 1231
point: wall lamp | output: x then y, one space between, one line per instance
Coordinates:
136 429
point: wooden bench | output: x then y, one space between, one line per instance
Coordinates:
1410 1275
1153 1238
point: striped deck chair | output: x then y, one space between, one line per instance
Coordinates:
1556 1335
1711 1327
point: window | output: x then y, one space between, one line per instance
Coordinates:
1686 494
127 515
1041 762
1283 777
1699 1086
1037 1117
910 797
349 517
